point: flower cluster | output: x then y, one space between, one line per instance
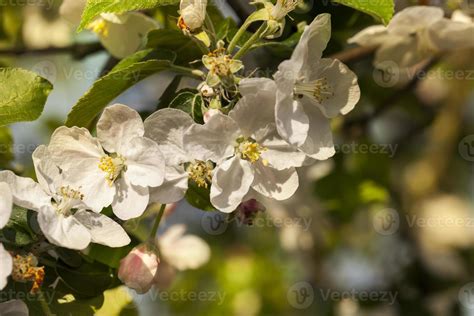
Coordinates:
415 34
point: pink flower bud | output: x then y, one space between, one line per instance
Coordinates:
139 268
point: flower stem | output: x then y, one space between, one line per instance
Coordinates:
189 71
237 36
255 37
154 230
44 304
210 26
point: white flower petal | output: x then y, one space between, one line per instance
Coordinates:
6 203
173 188
145 162
230 183
413 19
447 35
255 85
275 184
14 308
26 193
63 231
313 42
46 170
125 39
291 120
183 251
5 267
103 229
213 140
130 200
278 152
373 35
343 84
167 128
193 13
319 144
403 51
254 111
117 126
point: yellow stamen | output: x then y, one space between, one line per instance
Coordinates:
112 166
250 150
100 27
200 172
318 90
25 269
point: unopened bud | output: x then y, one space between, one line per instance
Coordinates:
248 210
139 268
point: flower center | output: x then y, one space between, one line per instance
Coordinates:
200 172
68 198
25 269
318 90
100 27
282 8
250 150
113 166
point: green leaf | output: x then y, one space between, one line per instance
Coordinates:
191 103
107 255
199 197
6 146
96 7
382 10
89 280
173 40
22 96
107 88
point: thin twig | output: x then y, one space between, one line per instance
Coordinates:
77 51
354 54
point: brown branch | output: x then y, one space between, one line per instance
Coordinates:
355 54
77 51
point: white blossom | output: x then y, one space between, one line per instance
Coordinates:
183 252
121 34
193 14
311 90
117 167
167 128
6 201
248 151
62 215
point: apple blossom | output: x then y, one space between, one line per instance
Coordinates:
248 151
121 34
181 251
221 66
167 128
62 215
311 90
117 168
139 268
